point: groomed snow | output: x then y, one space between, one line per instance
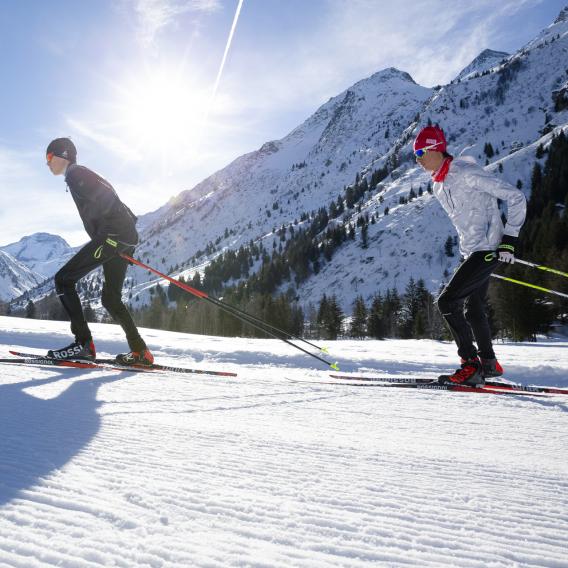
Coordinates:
105 468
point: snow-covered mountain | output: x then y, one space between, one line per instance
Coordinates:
367 127
284 178
41 252
15 277
507 101
29 262
485 61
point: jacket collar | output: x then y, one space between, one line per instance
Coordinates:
442 172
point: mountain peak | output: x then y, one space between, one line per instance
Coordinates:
563 16
43 253
487 59
391 73
41 238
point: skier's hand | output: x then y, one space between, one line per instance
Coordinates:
506 249
108 248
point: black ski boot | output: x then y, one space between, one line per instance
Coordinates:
143 358
469 374
75 351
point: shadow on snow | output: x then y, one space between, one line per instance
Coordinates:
38 437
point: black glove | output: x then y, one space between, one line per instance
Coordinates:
506 249
106 250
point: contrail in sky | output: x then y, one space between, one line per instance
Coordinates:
227 47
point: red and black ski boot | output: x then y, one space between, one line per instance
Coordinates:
144 358
469 374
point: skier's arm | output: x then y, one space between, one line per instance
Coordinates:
515 199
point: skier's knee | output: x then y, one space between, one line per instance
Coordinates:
445 304
63 283
473 314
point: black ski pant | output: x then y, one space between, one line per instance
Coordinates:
114 269
463 303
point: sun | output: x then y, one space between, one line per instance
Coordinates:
162 111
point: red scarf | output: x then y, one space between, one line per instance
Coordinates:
442 172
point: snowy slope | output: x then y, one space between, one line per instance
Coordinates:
102 468
302 172
15 277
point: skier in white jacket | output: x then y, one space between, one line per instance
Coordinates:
470 195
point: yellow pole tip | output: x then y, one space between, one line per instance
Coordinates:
335 366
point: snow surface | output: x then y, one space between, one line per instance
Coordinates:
109 468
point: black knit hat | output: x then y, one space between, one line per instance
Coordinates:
64 148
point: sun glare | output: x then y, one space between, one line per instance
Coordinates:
162 112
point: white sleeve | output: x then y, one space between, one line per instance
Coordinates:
515 199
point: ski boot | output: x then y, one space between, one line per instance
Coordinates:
75 351
469 374
142 358
491 368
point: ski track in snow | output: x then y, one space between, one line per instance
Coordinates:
101 468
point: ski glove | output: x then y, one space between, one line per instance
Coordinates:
107 249
506 249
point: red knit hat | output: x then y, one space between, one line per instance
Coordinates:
431 137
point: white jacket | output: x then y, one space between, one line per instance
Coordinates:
469 196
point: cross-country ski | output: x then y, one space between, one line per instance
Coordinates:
431 383
34 358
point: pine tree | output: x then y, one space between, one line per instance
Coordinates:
449 247
364 236
330 317
30 310
358 327
375 323
488 150
391 313
322 315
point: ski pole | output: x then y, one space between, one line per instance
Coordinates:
540 267
248 319
527 284
256 319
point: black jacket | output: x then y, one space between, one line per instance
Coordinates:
100 209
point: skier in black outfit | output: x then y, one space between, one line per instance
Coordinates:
112 229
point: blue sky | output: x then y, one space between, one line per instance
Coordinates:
131 81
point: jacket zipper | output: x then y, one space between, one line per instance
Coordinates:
449 193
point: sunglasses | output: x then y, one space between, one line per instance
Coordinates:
422 151
49 157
